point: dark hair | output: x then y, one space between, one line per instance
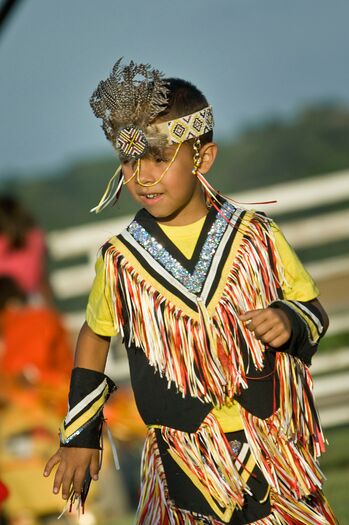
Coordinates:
184 98
15 221
10 290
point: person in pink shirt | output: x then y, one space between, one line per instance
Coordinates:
23 250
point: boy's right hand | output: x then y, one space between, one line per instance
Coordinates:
72 465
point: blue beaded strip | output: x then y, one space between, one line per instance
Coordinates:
192 282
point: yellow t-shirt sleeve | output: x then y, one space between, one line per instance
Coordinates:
99 311
298 285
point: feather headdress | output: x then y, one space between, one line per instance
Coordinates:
128 101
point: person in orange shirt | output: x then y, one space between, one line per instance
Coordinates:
35 359
34 343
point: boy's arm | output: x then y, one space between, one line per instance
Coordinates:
290 326
91 354
296 323
91 350
309 324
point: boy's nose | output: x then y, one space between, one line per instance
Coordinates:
147 174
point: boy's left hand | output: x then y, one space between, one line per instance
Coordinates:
269 325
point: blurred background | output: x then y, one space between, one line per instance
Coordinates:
277 77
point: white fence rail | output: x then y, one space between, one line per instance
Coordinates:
332 388
301 194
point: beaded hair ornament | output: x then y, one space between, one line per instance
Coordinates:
128 102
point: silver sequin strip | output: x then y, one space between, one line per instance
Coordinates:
195 281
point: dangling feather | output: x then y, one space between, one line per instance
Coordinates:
112 192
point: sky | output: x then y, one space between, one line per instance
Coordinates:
251 58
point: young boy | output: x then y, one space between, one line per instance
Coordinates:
219 319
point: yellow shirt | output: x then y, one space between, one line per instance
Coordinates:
298 286
184 237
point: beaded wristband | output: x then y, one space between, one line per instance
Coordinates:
82 426
307 328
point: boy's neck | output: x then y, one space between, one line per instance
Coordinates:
185 217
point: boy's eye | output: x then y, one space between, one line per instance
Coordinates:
130 163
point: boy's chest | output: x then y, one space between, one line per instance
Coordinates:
231 261
185 314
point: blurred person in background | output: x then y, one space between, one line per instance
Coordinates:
35 360
34 343
23 250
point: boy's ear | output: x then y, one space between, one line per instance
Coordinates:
208 154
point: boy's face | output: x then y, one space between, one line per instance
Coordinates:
175 199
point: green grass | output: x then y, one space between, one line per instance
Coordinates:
333 342
335 464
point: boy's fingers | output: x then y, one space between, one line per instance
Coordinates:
270 336
94 467
262 330
254 318
79 477
66 483
279 341
250 314
56 458
57 482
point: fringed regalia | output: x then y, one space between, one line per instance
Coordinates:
189 352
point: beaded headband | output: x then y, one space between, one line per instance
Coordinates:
133 142
130 100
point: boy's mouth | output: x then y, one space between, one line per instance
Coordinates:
151 196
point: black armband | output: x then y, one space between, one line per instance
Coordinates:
307 328
82 426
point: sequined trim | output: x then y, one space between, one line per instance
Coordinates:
192 282
81 429
235 446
